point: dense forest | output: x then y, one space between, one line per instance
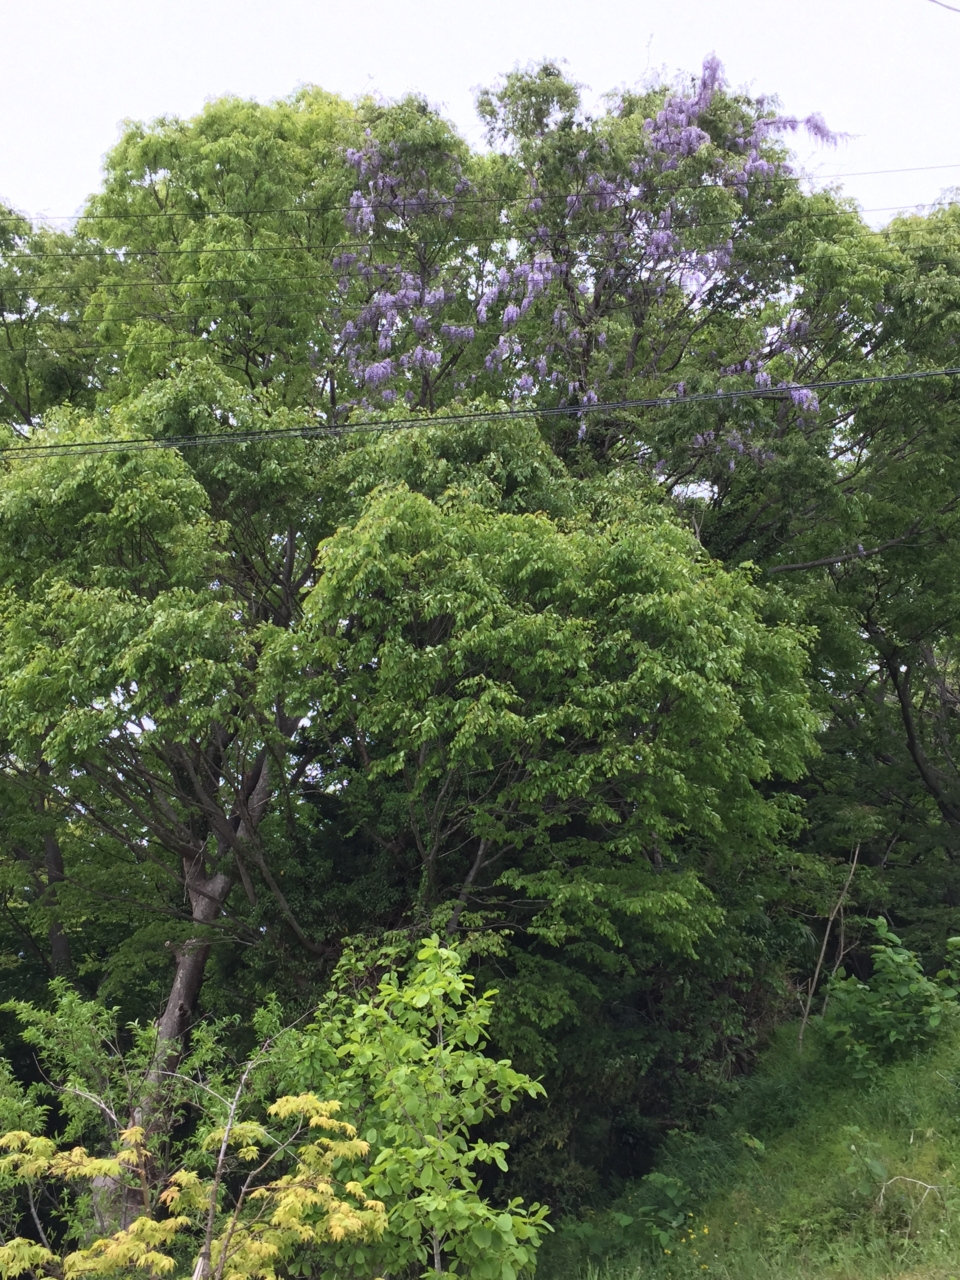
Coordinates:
478 667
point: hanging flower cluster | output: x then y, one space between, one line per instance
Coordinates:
582 281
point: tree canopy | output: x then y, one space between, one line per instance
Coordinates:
550 546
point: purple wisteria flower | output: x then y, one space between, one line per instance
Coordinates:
614 235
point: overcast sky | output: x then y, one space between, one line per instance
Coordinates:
883 71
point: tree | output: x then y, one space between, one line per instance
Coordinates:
43 359
133 705
168 712
341 642
231 1184
522 709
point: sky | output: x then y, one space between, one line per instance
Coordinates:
882 72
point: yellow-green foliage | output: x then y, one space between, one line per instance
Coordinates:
223 1181
271 1218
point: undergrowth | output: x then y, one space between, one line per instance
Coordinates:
814 1172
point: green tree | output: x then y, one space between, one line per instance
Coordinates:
526 709
218 1179
44 287
534 680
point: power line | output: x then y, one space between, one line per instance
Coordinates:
237 324
305 299
122 346
123 254
499 198
32 289
437 203
258 328
871 173
378 426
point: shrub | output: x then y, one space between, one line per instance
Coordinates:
899 1009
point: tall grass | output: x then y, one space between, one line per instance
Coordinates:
809 1175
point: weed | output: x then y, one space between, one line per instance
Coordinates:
813 1174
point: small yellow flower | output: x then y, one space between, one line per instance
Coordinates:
668 1251
706 1231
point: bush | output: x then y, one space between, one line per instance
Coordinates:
237 1172
899 1009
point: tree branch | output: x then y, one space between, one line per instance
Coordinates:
859 554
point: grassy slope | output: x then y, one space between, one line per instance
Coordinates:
855 1179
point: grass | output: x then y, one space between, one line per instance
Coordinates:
809 1175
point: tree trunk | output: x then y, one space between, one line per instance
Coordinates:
115 1202
56 874
59 943
208 896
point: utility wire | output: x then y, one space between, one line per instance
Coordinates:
33 289
238 325
461 199
435 203
871 173
231 312
123 254
302 298
377 425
